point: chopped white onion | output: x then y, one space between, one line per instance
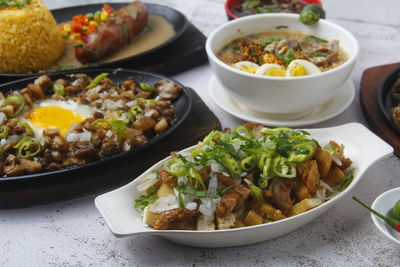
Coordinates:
149 113
205 210
109 133
327 186
3 141
12 139
191 206
182 179
247 181
85 136
3 117
212 186
185 153
167 86
243 174
146 183
127 147
169 202
131 103
216 167
337 161
73 137
226 174
165 95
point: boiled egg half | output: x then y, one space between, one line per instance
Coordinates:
300 67
271 70
246 66
57 114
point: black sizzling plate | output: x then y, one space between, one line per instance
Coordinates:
177 19
385 99
182 107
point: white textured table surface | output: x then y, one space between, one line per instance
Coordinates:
72 233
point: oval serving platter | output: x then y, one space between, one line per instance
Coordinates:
174 17
123 220
385 99
182 107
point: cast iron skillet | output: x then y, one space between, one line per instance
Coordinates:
385 98
182 107
177 20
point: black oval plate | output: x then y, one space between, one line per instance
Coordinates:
182 107
385 97
177 19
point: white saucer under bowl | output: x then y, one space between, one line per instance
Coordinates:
324 112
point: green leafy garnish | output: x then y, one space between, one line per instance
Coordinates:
346 181
235 47
282 27
221 192
314 38
14 3
317 54
270 41
287 58
147 199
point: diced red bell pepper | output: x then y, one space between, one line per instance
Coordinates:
107 8
318 2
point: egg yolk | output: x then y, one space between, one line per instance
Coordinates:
299 71
275 72
249 69
54 117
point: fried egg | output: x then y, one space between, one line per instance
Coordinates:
271 70
246 66
300 67
62 115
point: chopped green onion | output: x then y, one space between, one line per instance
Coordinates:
58 89
119 127
147 199
345 181
146 87
28 128
97 80
28 148
176 167
4 130
100 124
134 112
282 167
152 101
15 100
256 192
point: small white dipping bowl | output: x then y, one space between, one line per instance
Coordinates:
117 209
280 95
383 204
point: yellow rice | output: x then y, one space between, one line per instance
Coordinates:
30 39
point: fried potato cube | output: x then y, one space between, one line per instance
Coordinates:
149 218
204 224
334 177
252 218
226 222
309 174
164 190
302 192
238 224
305 205
267 210
324 159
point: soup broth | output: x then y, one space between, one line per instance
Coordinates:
282 48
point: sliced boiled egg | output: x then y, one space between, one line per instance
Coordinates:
300 67
271 70
57 114
246 66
